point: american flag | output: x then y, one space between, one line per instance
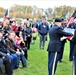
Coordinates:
6 14
71 18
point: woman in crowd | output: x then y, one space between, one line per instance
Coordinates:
34 30
14 27
19 42
28 35
6 27
23 30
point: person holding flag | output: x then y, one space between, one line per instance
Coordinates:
63 26
55 33
72 24
6 22
74 53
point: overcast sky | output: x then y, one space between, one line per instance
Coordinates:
39 3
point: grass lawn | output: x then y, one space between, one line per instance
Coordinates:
38 60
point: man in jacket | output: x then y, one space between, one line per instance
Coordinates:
43 30
14 49
3 48
3 57
55 33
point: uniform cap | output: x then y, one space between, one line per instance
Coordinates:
58 20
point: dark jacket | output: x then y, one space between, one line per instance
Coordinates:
23 30
28 31
74 41
35 25
72 25
55 34
12 47
3 48
63 25
43 29
2 54
7 28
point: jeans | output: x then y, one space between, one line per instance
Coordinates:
21 56
14 59
42 41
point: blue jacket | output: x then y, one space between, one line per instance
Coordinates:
43 29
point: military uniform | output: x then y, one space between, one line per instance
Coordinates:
72 26
62 44
55 34
74 54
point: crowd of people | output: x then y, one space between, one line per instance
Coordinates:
16 37
15 40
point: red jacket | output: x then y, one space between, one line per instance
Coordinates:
14 28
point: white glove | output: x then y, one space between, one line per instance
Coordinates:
62 38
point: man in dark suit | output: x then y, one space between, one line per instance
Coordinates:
55 34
